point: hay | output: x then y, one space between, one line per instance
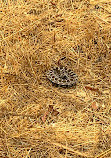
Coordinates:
38 119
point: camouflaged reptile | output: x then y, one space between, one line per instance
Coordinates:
61 76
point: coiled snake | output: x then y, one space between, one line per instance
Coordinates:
61 76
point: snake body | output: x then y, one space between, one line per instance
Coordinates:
61 76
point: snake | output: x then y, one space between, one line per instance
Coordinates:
61 76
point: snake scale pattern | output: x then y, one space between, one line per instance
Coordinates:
61 76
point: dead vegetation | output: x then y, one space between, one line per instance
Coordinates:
36 118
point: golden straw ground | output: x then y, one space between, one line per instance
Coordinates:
38 119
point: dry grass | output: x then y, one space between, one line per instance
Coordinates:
36 118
